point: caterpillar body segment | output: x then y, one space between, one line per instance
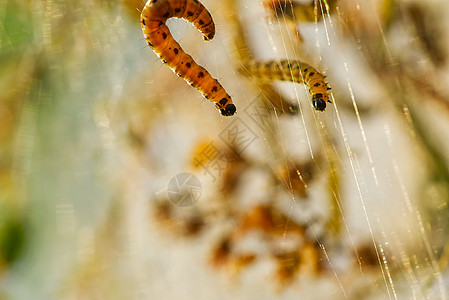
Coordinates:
291 70
159 39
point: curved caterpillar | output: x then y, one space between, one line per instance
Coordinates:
158 36
291 70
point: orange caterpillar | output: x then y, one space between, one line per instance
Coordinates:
291 70
158 37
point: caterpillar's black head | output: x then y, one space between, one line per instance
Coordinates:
209 36
225 106
318 102
229 110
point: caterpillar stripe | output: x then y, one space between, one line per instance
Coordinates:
158 37
291 70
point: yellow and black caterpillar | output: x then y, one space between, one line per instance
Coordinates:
158 37
291 70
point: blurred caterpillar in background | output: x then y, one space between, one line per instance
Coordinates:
158 36
291 70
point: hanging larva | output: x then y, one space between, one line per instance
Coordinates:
291 70
153 18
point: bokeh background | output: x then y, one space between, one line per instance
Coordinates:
279 201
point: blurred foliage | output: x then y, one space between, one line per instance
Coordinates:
16 75
62 66
12 234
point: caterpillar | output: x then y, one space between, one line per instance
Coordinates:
159 39
291 70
